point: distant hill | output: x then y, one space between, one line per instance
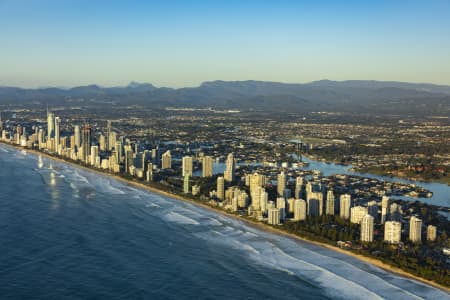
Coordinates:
324 95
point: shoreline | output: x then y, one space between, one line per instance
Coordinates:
252 223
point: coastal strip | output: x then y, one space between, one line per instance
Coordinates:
250 222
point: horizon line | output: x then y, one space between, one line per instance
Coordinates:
218 80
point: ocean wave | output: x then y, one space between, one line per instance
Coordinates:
180 219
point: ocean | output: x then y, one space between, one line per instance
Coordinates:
67 233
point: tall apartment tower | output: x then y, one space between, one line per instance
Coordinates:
50 125
186 184
431 233
281 183
186 166
298 187
273 216
77 135
385 203
299 210
230 169
415 229
166 160
357 213
392 231
329 208
345 205
220 188
57 132
86 142
207 166
367 228
107 136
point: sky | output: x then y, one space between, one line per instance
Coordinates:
183 43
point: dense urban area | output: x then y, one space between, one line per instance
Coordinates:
256 166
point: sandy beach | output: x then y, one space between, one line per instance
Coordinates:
253 223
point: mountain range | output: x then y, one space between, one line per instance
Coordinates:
382 97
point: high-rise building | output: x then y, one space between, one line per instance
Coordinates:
255 196
367 228
392 231
102 142
186 184
77 137
220 188
166 159
299 210
372 208
385 203
273 216
207 166
415 229
57 132
108 145
50 125
119 151
94 155
357 213
281 183
431 233
112 138
86 142
187 166
313 207
281 205
230 168
256 181
129 160
345 205
329 207
298 187
264 199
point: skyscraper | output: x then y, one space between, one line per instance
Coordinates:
57 132
187 166
385 203
86 142
298 187
220 188
431 233
186 184
77 136
415 229
207 166
357 213
345 205
281 205
50 125
108 144
329 209
367 228
299 210
313 207
166 160
129 160
392 231
281 183
230 169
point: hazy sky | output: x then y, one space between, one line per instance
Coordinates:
182 43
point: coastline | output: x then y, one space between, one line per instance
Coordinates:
252 223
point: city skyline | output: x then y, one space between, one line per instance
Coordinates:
183 44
